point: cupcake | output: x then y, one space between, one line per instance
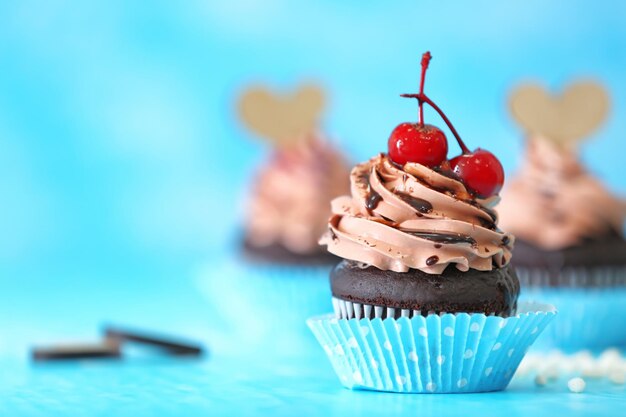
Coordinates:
425 298
275 276
288 208
570 247
417 242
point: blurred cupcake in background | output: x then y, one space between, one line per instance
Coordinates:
276 270
570 248
288 210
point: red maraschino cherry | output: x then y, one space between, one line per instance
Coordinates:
412 142
418 142
480 170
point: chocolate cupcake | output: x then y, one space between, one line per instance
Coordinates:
425 299
417 241
570 248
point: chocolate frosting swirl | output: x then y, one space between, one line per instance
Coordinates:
414 218
554 203
289 204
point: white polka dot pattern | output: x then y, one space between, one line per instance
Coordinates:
436 353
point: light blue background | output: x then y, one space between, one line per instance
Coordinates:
122 168
119 147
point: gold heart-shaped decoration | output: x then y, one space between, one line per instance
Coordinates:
564 119
279 118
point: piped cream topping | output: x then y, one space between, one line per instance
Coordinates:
414 218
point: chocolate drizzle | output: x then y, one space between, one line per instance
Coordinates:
384 220
493 216
372 200
492 213
487 224
443 237
418 204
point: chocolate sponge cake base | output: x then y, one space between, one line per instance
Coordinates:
454 291
278 254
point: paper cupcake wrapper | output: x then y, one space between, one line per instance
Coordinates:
346 310
263 306
572 277
434 354
589 318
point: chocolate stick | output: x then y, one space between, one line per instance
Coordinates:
174 347
106 349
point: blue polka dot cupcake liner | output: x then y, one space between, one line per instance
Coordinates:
265 306
589 318
447 353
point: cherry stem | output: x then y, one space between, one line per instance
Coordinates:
425 61
423 98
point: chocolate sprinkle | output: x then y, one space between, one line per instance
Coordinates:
432 260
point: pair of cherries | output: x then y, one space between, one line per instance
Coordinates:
426 144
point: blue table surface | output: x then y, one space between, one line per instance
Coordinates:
78 303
